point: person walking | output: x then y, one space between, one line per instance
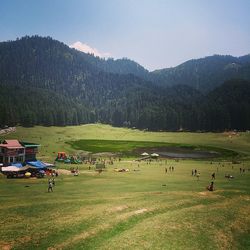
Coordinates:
50 187
198 176
213 176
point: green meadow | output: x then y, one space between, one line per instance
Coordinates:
144 208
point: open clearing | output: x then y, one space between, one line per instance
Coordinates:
144 208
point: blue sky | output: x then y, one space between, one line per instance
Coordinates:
154 33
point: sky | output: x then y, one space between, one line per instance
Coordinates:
155 33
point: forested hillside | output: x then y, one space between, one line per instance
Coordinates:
43 81
204 74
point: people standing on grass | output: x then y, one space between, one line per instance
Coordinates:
192 172
213 176
171 168
166 170
50 186
195 172
198 176
211 187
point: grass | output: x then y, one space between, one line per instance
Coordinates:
145 209
54 139
131 148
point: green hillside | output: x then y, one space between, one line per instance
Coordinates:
44 82
204 74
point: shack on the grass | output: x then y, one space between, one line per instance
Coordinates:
17 159
14 151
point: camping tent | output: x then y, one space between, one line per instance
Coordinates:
17 164
15 169
38 164
145 154
10 169
154 155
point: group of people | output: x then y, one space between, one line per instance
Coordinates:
171 168
197 174
242 170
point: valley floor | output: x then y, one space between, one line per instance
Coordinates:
144 208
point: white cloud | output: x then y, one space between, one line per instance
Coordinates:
87 49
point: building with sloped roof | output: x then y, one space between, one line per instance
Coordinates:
13 151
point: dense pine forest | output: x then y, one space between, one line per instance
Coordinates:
44 82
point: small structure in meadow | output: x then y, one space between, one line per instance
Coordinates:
154 155
13 151
18 158
99 166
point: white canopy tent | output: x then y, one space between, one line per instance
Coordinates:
154 155
10 169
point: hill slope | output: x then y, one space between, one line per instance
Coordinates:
45 82
204 74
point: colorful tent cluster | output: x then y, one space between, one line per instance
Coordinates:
62 157
33 168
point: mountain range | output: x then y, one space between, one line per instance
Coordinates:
44 82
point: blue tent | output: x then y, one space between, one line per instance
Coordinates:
18 165
37 164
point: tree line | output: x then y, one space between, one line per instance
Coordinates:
44 82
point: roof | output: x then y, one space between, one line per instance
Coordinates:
16 169
11 144
155 155
30 145
17 164
10 169
38 164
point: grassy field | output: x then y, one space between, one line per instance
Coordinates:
135 148
144 208
54 139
